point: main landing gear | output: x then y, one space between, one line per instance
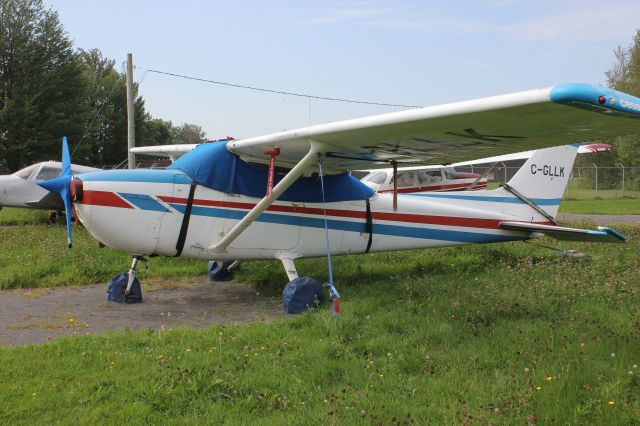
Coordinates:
53 216
222 270
125 287
302 293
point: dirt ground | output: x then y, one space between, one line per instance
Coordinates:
39 315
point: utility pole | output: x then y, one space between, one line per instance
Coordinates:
131 125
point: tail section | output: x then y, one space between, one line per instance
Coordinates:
544 177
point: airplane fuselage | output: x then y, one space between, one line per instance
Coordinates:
21 189
142 212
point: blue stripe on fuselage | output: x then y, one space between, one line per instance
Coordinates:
143 201
344 225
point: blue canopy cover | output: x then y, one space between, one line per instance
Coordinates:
211 165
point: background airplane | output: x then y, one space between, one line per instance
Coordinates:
448 178
21 188
423 179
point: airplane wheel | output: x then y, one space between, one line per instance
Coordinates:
53 216
117 286
218 271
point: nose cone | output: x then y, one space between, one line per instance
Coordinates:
76 189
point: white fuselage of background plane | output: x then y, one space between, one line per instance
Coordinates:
141 212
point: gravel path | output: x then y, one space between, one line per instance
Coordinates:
39 315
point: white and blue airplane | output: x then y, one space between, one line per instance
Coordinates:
226 201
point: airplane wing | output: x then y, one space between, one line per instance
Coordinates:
525 155
458 131
602 235
171 151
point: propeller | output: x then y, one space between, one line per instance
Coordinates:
60 185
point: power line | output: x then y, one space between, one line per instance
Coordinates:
279 92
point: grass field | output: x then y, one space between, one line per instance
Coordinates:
601 206
500 334
589 201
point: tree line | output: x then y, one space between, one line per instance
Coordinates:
49 89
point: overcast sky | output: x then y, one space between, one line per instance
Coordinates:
399 52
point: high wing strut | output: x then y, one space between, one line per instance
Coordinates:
253 214
530 203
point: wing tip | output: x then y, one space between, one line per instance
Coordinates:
600 98
613 233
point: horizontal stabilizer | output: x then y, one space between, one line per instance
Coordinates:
602 235
51 201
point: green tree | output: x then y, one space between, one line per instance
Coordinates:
624 75
105 139
104 102
155 131
189 133
41 84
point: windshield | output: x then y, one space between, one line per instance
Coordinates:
26 172
377 178
47 172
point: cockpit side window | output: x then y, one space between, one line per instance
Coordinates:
405 179
450 173
47 173
427 177
26 172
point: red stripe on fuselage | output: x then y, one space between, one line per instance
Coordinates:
396 217
103 198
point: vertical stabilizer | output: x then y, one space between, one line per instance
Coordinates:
544 177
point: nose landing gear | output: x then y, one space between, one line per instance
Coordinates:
125 287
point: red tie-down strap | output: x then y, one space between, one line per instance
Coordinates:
272 166
336 306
